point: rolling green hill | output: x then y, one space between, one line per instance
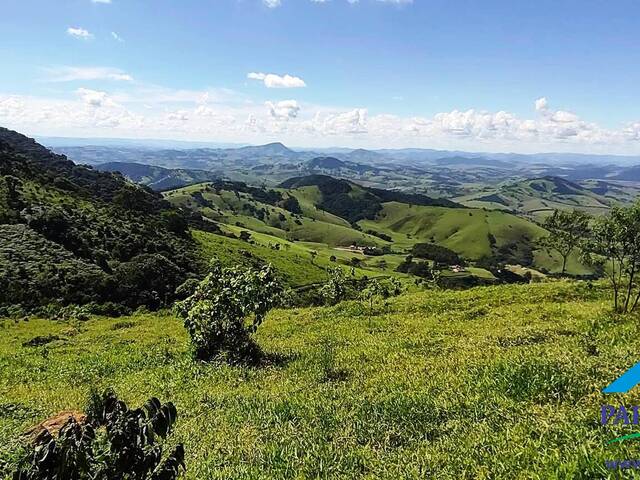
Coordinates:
306 212
157 178
301 246
354 202
539 197
275 214
473 233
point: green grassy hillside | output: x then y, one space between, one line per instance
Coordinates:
297 263
242 209
539 197
473 233
494 383
466 231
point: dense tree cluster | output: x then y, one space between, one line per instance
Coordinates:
291 204
70 234
419 269
380 235
437 253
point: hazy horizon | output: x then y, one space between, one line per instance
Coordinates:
54 141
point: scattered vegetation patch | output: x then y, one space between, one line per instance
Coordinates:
40 340
121 325
529 338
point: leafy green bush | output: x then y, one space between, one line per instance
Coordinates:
216 313
376 290
337 288
127 448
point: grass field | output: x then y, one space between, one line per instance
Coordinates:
491 383
293 260
465 231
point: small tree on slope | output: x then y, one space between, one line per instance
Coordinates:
217 313
566 231
614 247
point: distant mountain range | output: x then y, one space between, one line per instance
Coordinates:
435 173
276 149
158 178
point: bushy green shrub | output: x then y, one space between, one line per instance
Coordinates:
128 448
337 288
216 314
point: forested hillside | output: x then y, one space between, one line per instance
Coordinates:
72 234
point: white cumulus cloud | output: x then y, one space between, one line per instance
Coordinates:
271 80
542 104
81 33
283 110
342 123
95 98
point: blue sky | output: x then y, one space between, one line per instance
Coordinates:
371 73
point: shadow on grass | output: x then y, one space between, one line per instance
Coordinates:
276 359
